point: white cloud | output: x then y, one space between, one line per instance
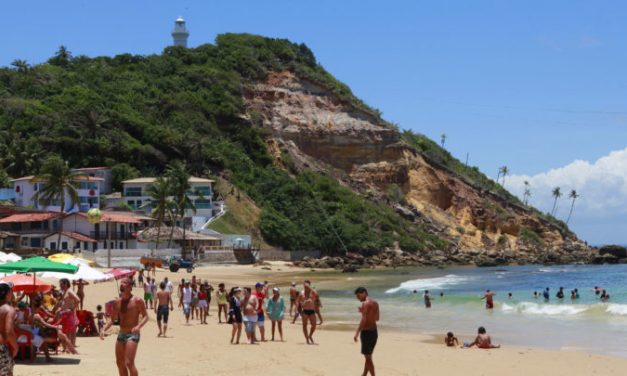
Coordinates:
601 184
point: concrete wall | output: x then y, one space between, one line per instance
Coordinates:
278 255
127 258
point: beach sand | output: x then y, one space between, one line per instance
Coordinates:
205 349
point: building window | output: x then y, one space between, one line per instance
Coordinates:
85 245
202 204
64 245
133 192
201 191
87 185
36 242
121 245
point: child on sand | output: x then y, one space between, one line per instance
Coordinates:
100 317
451 340
483 340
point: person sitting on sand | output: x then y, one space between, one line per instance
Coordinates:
451 340
483 340
489 299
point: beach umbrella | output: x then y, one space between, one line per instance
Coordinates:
37 264
85 272
65 258
24 283
120 273
8 257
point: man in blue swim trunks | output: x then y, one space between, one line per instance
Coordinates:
163 307
127 309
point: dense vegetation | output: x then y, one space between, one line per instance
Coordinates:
138 113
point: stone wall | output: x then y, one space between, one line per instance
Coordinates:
278 255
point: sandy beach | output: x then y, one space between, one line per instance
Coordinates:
205 349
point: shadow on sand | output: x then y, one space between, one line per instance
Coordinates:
41 361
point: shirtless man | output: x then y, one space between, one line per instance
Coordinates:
8 340
307 301
127 309
483 340
367 329
489 299
251 306
66 310
293 297
164 301
80 290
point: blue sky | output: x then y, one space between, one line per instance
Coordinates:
534 85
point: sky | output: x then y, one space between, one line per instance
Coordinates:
538 86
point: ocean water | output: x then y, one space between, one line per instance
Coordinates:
585 324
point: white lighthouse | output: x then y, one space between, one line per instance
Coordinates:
180 33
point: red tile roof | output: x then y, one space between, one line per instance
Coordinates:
120 217
29 217
75 236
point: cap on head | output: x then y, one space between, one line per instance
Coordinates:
258 284
293 283
276 289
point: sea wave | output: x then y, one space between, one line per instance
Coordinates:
438 283
531 308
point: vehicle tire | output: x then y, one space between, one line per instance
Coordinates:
190 269
174 268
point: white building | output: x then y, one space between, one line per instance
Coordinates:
116 230
105 185
180 33
87 187
135 194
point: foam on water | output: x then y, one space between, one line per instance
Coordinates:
617 309
438 283
545 309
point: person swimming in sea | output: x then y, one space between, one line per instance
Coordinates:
489 299
427 299
535 295
605 296
546 295
560 293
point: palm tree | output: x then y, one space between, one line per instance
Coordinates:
21 66
573 196
557 193
58 181
160 202
178 176
503 171
442 139
527 193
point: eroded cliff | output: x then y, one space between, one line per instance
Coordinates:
311 128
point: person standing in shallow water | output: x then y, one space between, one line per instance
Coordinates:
127 309
367 329
489 299
427 299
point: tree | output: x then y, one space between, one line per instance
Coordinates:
573 196
442 140
557 193
58 181
503 171
21 66
178 176
62 57
527 193
5 180
160 202
121 172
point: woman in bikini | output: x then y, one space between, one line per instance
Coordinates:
80 291
307 299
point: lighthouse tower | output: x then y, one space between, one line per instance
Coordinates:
180 33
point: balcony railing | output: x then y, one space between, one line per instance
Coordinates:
111 235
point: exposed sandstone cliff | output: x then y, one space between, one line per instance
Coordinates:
314 129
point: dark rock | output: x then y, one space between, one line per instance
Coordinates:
349 269
614 250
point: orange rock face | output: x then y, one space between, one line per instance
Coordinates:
321 132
